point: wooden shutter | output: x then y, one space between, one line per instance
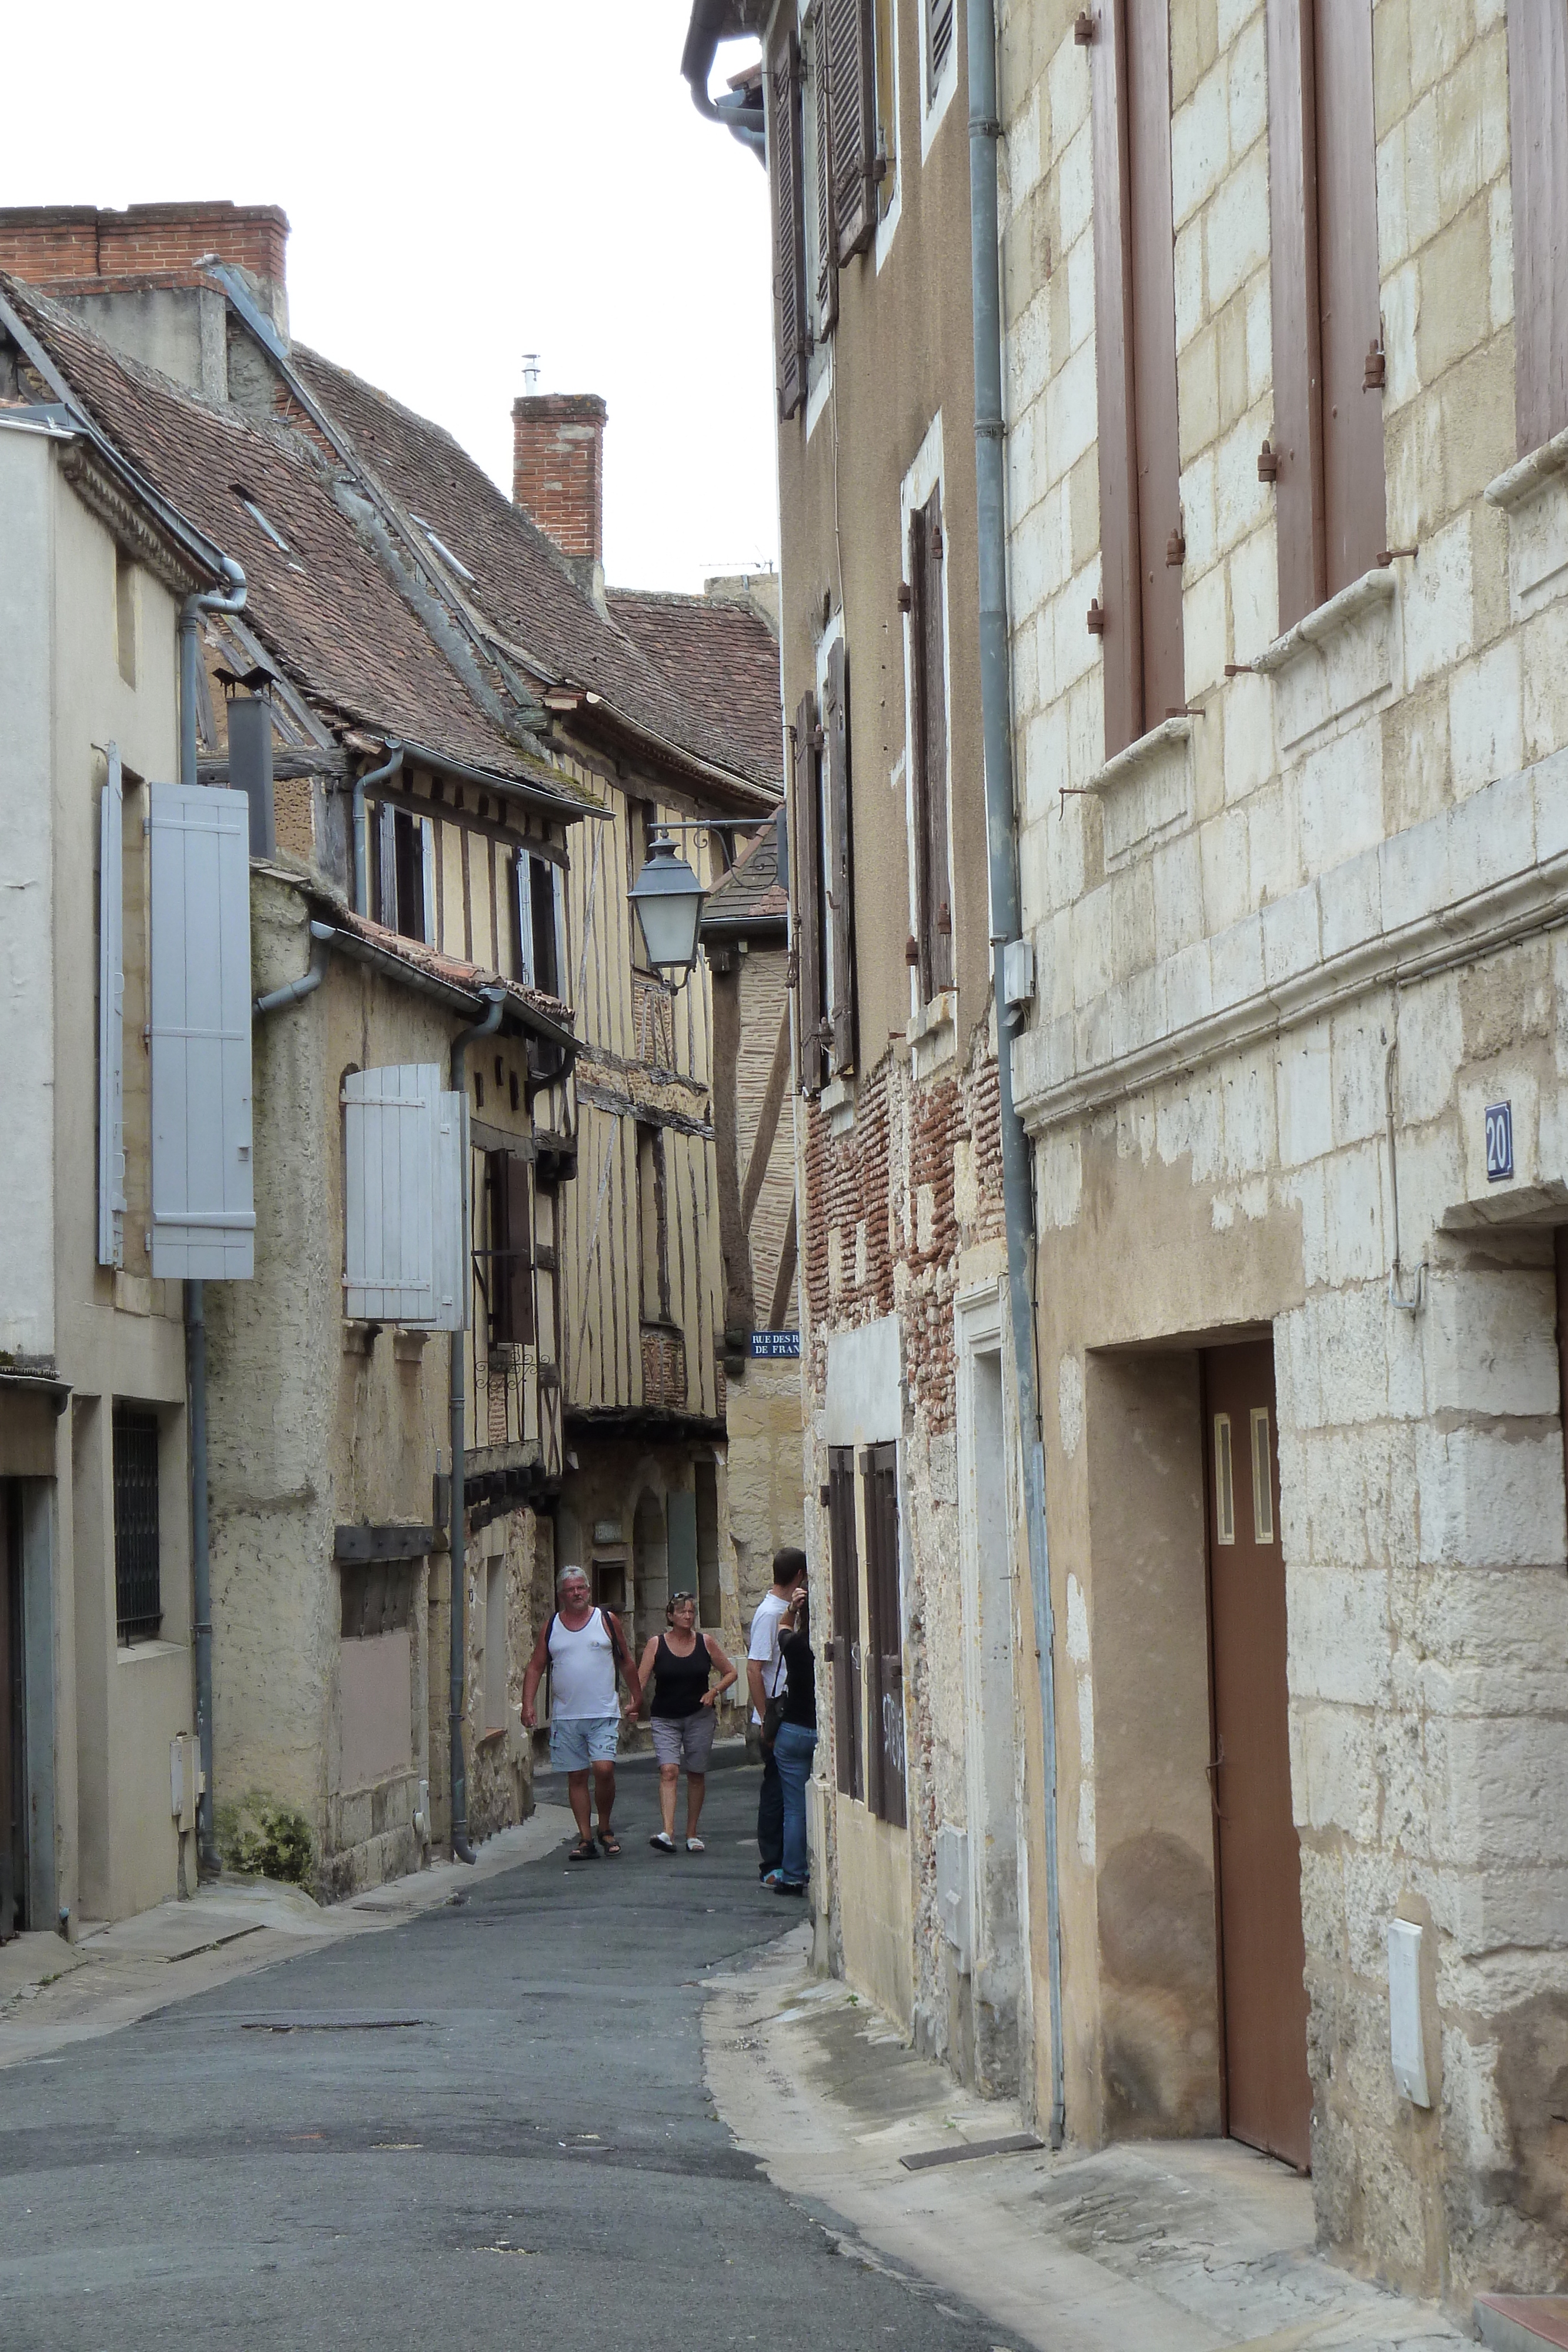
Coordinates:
841 923
826 311
1122 645
390 1180
111 1018
789 230
1538 125
427 880
523 894
516 1269
939 19
1152 286
805 824
386 865
879 1466
1355 525
928 746
203 1207
852 115
846 1608
451 1284
1293 274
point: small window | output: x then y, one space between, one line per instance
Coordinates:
413 847
1224 1482
125 614
137 1598
1262 1477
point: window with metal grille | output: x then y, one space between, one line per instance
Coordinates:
138 1603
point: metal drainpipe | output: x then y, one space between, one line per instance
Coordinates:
278 999
461 1849
1002 845
361 829
208 1863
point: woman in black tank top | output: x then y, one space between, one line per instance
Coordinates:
677 1667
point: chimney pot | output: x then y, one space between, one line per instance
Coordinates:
557 468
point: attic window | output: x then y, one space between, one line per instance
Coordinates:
255 512
442 548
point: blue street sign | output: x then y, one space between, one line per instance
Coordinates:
765 1344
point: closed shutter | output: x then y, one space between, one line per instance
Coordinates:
1153 236
789 229
933 887
1293 277
852 116
1538 125
1354 526
111 1019
939 18
841 923
885 1745
826 311
846 1605
391 1117
204 1206
427 880
523 884
805 825
508 1276
452 1287
386 865
1122 644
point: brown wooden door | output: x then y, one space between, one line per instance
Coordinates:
886 1751
12 1778
1268 2097
846 1581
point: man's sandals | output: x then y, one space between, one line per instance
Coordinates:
584 1851
609 1842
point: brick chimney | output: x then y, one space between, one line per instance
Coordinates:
82 249
558 469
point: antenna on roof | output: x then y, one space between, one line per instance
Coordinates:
530 373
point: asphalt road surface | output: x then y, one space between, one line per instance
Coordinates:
485 2128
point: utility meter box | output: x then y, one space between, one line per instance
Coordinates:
1407 2046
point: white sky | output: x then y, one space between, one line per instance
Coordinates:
534 178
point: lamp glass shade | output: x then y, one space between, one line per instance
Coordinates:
669 900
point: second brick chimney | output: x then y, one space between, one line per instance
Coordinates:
558 469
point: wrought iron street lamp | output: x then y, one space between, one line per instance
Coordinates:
669 900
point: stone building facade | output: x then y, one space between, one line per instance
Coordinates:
1296 1079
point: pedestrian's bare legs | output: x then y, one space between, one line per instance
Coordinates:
669 1776
696 1790
576 1793
604 1793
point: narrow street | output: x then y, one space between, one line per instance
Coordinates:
488 2123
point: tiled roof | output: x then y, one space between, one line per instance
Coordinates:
751 893
720 651
524 586
323 603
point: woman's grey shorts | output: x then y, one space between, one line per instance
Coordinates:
684 1738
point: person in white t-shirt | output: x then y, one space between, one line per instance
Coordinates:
764 1680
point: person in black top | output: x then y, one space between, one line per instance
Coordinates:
796 1743
677 1667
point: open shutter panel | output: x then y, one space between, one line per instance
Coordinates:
934 672
789 229
453 1291
1121 644
1349 323
386 865
827 288
805 827
524 885
841 903
204 1206
427 878
111 1020
1293 277
518 1271
852 111
1538 123
389 1158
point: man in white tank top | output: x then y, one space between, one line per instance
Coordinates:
583 1648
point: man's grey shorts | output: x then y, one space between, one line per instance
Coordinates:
576 1741
684 1738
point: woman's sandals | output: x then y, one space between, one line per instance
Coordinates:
663 1842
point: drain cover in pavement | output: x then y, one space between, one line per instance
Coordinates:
961 2151
331 2024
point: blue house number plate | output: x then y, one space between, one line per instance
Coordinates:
1499 1141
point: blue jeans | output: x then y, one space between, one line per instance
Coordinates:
793 1750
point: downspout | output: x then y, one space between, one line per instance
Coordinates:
1001 835
208 1863
278 999
362 828
461 1849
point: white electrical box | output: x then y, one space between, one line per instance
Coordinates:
1407 2046
185 1779
1018 972
953 1890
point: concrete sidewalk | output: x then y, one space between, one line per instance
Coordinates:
53 1993
1168 2246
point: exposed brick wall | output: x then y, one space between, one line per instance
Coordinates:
557 468
59 242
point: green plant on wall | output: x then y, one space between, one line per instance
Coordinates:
266 1840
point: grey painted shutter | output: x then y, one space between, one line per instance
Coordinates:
203 1207
789 229
1350 324
1294 280
390 1155
933 671
453 1298
386 864
919 781
1538 125
807 828
1152 288
111 1020
841 903
852 114
524 878
827 288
